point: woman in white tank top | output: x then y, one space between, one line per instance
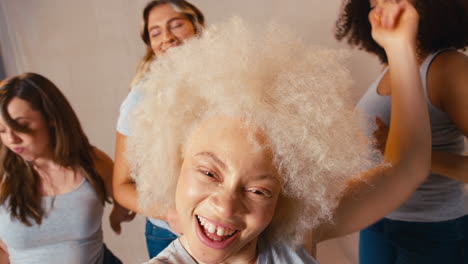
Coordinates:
431 226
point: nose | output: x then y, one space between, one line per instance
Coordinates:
13 138
228 204
168 36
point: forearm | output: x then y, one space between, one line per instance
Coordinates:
124 188
126 195
409 137
377 192
450 165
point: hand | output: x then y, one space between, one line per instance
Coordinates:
380 135
119 215
173 220
394 23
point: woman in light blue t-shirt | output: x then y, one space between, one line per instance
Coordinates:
166 24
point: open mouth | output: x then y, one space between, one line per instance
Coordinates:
214 235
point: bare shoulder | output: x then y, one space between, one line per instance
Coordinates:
449 64
447 77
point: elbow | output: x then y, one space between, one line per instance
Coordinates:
116 190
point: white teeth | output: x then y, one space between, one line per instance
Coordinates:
220 231
213 229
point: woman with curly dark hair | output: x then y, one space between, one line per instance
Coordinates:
431 227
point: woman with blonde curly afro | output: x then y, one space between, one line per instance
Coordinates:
253 138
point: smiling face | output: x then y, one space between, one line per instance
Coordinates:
226 193
168 28
33 144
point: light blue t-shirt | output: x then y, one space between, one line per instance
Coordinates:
128 105
268 253
133 98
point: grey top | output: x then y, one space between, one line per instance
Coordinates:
70 231
132 100
439 198
175 253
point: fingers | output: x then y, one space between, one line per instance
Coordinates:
129 217
380 124
386 15
116 227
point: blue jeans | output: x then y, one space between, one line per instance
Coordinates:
110 258
399 242
157 238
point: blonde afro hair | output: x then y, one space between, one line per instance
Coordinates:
298 95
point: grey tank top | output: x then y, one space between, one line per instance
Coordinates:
70 232
439 198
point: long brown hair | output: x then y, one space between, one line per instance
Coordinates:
192 12
19 182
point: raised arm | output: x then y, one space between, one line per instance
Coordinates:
374 194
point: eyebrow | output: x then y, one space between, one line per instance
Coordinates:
168 22
213 157
223 165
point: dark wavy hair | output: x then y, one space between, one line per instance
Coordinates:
19 182
442 24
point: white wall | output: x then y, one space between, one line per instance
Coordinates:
90 48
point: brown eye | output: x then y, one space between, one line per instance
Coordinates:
207 173
260 193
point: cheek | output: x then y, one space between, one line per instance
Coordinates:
190 192
263 215
155 46
185 33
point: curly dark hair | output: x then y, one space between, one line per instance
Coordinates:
442 24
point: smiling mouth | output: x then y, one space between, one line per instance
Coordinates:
214 235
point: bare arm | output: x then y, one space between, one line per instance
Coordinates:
449 78
124 188
376 193
104 166
4 259
125 191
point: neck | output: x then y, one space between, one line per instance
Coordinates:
247 255
45 164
